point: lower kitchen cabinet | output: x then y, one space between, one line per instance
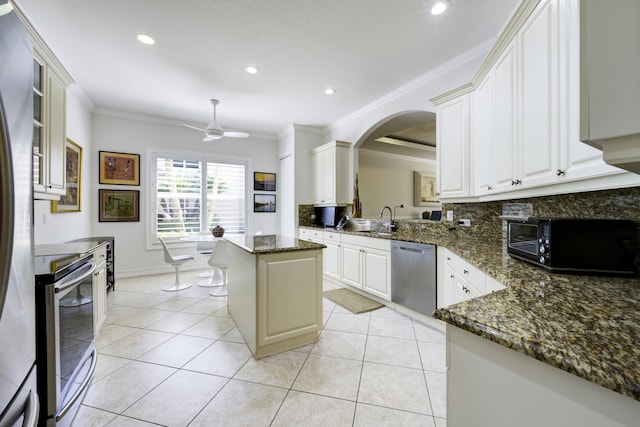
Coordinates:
462 281
99 288
366 264
332 255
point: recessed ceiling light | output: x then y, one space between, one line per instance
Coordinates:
143 38
329 91
251 69
440 7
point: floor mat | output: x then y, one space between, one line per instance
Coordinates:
352 301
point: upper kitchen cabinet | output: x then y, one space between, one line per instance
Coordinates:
452 145
330 171
524 114
50 82
610 80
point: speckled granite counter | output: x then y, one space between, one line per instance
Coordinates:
271 243
588 326
67 248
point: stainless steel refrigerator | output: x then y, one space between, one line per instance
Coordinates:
18 398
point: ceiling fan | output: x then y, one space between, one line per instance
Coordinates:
214 130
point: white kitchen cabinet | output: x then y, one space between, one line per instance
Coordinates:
99 282
462 281
505 160
49 131
523 389
332 255
481 135
330 171
377 272
351 262
610 87
310 235
452 147
538 106
366 264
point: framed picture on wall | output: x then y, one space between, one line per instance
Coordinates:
264 202
264 181
119 205
119 168
70 202
424 189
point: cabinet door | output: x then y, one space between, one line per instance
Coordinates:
328 175
376 272
481 137
56 128
505 163
452 133
332 260
451 295
99 297
316 176
538 109
351 265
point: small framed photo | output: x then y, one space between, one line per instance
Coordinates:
424 189
264 202
119 168
70 202
119 205
264 181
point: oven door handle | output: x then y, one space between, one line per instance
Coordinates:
80 274
79 392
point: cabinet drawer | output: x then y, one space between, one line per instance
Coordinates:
331 237
367 242
470 273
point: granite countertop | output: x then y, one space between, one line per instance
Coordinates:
271 243
75 247
588 326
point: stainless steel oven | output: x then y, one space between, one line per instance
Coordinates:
65 346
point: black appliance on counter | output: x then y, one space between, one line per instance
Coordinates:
328 216
65 348
581 246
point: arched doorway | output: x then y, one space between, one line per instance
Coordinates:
386 158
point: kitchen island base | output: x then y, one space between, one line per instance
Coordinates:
491 385
275 299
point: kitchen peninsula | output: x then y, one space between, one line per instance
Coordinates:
275 291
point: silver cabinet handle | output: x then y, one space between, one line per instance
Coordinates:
465 271
515 182
559 172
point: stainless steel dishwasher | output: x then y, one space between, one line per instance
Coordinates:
413 276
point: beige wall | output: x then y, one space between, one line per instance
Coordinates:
386 180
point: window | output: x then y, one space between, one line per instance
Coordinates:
193 194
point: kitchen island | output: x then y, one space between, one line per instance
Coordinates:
275 291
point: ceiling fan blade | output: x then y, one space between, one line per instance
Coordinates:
236 134
194 127
210 138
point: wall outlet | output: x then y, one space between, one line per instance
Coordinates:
449 215
465 223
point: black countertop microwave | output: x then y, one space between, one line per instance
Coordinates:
579 246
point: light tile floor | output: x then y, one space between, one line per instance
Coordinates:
177 359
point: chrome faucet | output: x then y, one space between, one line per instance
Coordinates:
390 217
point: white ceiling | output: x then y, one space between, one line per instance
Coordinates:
363 48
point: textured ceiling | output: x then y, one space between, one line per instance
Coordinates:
363 48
